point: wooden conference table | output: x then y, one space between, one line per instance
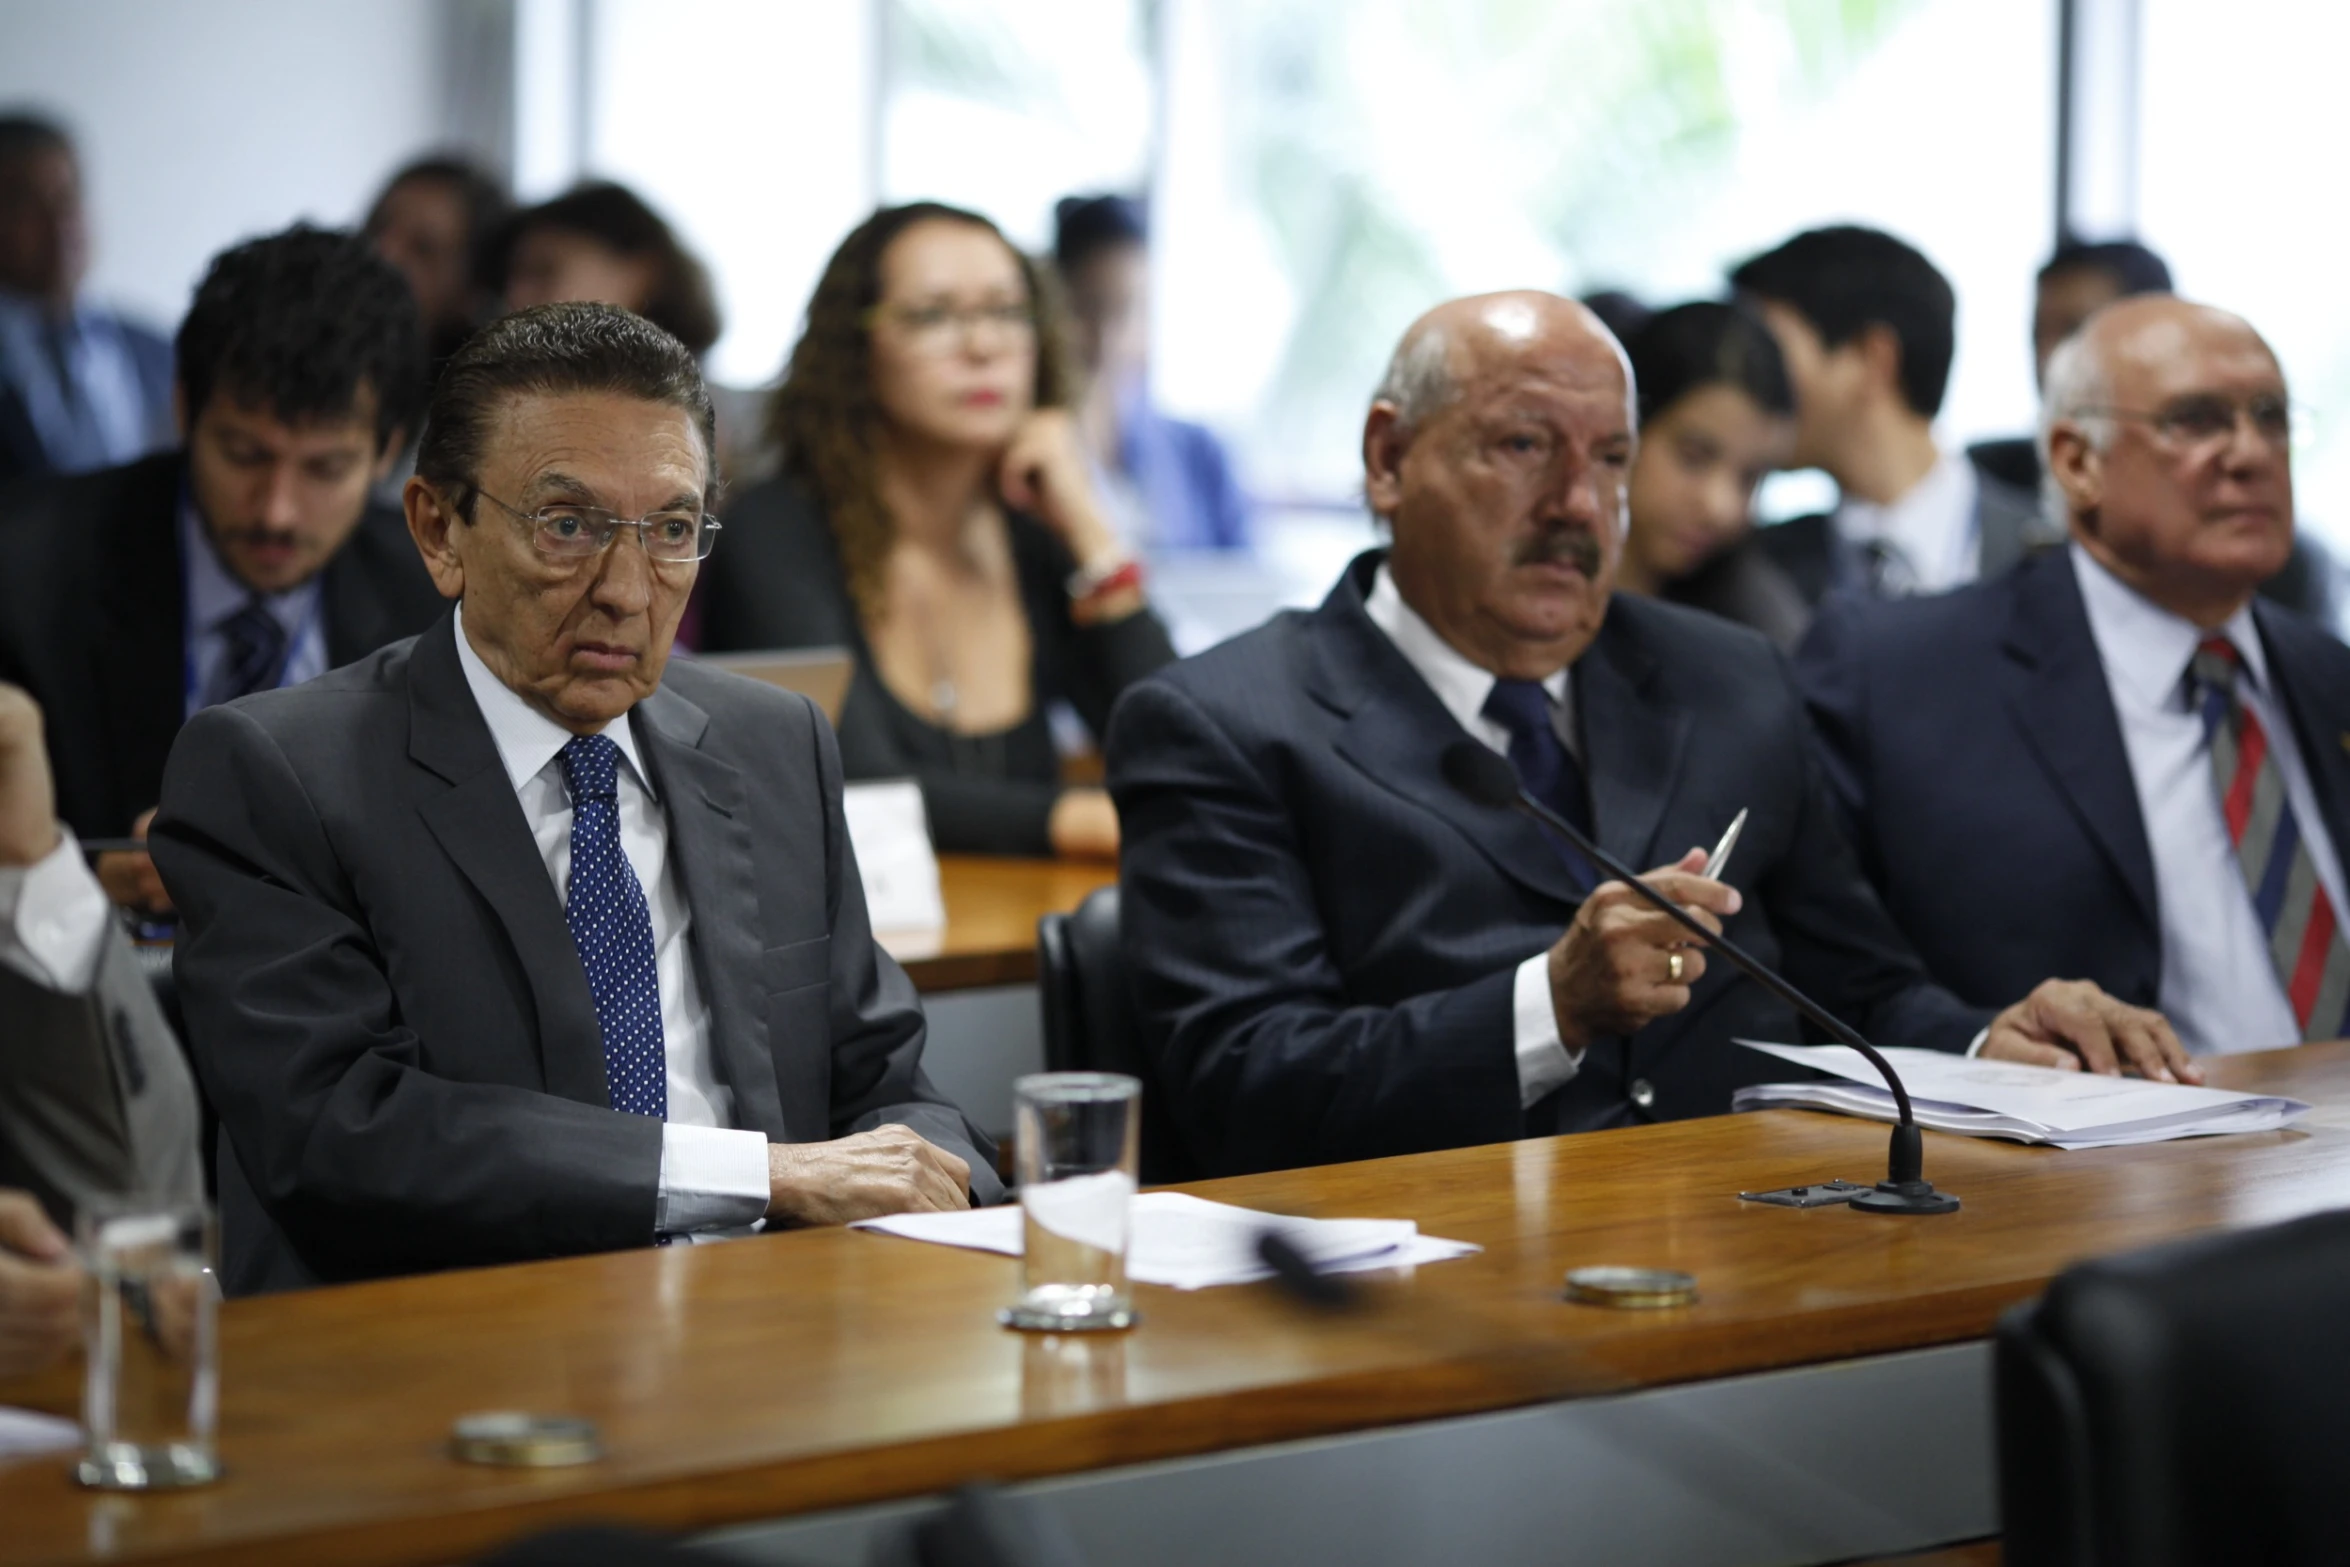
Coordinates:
992 909
824 1370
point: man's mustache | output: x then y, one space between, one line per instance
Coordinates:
258 538
1569 546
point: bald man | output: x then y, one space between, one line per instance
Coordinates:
1337 956
2117 762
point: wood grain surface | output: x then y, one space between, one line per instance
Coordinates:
823 1368
992 909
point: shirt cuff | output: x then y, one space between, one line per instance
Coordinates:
53 917
1544 1062
1976 1048
712 1178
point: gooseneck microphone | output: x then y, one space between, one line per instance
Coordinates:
1487 777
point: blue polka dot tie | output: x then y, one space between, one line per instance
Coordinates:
609 924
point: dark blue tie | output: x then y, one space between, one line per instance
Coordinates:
1544 764
609 924
256 653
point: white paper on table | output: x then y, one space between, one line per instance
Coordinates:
1190 1243
2033 1104
899 869
1088 1209
22 1432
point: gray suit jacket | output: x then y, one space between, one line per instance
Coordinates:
386 1007
2008 526
95 1096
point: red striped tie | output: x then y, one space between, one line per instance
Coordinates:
2304 942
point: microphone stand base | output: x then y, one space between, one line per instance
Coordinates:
1905 1197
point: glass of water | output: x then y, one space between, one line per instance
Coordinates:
1075 1137
151 1391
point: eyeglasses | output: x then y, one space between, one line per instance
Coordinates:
2202 418
941 329
577 533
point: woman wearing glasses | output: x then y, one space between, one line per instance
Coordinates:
934 514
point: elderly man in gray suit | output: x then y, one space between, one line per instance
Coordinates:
518 939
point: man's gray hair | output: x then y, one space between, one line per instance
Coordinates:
2077 384
1419 379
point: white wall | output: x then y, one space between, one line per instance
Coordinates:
202 122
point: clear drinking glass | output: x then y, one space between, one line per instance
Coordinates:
151 1392
1075 1135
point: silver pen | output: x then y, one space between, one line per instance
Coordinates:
1719 860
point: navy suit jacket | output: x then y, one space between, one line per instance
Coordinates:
1324 935
1973 741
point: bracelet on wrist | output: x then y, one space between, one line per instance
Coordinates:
1101 580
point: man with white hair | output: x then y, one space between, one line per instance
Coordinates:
1336 955
2116 762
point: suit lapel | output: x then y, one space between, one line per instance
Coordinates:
1632 744
479 822
2055 687
710 844
142 645
2298 654
1397 732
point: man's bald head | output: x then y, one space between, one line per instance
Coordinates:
1451 344
2166 435
1497 451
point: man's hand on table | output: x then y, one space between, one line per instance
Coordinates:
40 1289
890 1169
2072 1025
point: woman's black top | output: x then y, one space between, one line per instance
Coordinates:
1746 585
775 581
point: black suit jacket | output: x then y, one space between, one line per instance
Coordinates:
1324 934
92 618
1973 741
385 1005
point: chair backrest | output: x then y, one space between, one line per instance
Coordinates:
2190 1403
1090 1022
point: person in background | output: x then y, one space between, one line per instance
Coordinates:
434 220
1336 954
1867 327
248 559
2080 279
95 1094
936 515
602 243
1620 311
1716 416
80 388
1169 483
2116 761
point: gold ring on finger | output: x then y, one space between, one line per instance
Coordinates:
1674 966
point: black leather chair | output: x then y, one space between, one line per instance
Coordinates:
1090 1024
2185 1404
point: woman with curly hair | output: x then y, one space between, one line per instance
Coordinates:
935 515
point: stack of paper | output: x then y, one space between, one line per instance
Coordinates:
2030 1104
1191 1243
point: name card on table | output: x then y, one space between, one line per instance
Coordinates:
891 835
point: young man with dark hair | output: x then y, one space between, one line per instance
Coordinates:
80 387
1867 325
248 559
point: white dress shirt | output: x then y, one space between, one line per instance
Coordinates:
1544 1062
53 918
2220 988
1931 528
712 1176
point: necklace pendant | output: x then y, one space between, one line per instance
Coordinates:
942 697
